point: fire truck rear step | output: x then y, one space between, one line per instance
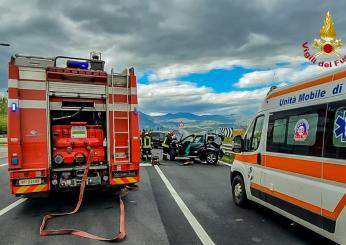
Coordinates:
78 168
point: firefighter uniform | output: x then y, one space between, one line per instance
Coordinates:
147 144
166 145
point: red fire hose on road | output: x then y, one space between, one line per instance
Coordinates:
122 233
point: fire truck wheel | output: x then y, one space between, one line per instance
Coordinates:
238 191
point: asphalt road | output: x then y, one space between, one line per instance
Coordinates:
200 208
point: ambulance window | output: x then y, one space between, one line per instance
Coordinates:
302 129
298 131
339 136
247 137
256 139
335 134
253 137
279 130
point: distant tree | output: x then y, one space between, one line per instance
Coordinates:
3 115
3 105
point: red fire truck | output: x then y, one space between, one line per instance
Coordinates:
59 111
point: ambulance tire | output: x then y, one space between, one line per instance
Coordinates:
238 191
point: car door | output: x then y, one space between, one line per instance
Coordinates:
252 152
184 143
196 144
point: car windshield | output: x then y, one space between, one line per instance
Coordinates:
198 139
189 138
181 133
155 135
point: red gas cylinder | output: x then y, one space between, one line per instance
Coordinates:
71 143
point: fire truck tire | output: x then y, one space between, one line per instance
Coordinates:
238 191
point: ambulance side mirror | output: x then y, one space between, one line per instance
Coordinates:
238 144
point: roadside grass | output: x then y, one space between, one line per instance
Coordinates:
228 158
3 123
3 129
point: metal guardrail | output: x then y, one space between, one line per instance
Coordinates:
227 148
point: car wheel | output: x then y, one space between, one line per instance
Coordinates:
238 191
211 158
172 155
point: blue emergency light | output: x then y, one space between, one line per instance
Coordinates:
14 160
77 64
14 107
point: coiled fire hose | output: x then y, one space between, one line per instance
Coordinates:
122 233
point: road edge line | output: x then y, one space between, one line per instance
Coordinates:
225 163
4 164
145 164
196 226
12 206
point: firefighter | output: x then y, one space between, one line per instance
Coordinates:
146 147
141 137
166 145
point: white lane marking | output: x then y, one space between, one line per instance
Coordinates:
145 164
5 164
196 226
12 206
225 163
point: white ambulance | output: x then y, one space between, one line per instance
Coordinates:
292 158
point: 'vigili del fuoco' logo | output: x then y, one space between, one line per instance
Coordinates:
327 46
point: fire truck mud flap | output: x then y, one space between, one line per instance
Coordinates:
122 231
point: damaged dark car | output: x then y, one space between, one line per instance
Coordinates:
205 147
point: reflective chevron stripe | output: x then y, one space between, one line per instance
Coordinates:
29 188
122 181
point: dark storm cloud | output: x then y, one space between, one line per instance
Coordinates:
178 31
156 33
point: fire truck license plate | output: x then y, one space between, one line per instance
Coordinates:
29 181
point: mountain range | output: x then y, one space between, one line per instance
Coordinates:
192 122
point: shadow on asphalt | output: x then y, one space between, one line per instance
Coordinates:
66 202
301 233
297 230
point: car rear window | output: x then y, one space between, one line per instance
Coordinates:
155 135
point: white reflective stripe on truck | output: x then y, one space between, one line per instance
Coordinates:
34 85
123 107
32 104
29 73
122 91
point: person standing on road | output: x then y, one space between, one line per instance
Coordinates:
141 142
187 153
142 136
166 145
146 147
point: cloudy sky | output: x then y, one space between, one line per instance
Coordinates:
199 56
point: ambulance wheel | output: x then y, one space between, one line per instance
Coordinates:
238 191
211 158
